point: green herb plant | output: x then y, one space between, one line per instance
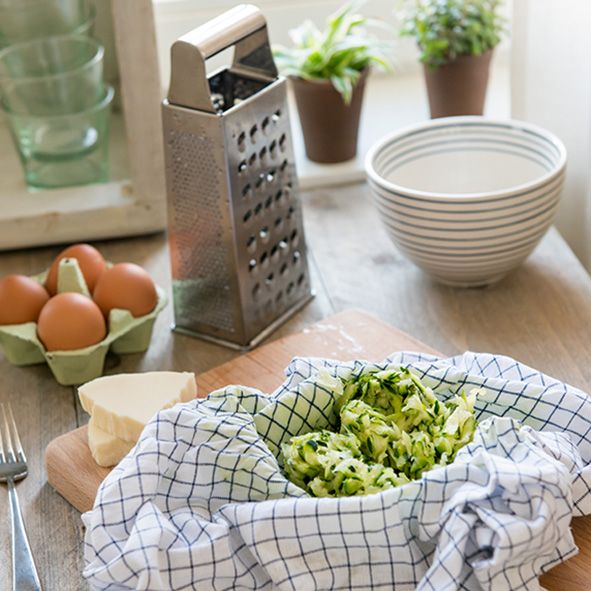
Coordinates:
339 53
447 29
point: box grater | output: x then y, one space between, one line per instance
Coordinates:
238 252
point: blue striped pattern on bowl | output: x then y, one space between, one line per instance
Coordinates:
467 198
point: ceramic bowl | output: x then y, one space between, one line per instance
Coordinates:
467 199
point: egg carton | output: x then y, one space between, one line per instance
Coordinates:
127 334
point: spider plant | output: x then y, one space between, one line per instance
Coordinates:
339 53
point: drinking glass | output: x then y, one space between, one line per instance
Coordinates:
64 149
52 76
23 20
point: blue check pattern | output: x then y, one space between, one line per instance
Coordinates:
201 502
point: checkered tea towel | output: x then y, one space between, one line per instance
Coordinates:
201 501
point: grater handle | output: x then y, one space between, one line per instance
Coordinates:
244 27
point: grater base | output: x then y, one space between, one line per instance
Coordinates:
258 338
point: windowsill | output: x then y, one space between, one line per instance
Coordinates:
391 103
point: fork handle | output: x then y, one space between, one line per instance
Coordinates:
24 572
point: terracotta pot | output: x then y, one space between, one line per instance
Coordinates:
458 87
330 126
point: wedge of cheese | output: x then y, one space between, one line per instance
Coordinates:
123 404
107 450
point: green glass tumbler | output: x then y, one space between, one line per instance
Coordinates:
66 149
23 20
52 76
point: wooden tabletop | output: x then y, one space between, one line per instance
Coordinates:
541 314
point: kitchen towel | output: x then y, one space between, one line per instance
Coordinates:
201 501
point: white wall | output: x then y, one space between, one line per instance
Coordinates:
551 86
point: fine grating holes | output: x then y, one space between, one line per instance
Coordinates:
276 116
278 223
301 279
269 201
290 212
252 160
283 245
269 279
283 166
283 142
278 195
290 287
283 269
252 265
296 257
263 153
273 148
241 141
247 216
251 244
260 181
242 166
264 234
294 237
264 258
278 297
247 191
258 208
275 252
271 175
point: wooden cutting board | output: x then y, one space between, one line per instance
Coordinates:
349 335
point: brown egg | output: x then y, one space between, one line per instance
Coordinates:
70 321
91 262
21 299
128 287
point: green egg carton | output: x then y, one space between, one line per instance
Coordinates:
127 334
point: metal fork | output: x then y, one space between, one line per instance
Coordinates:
13 467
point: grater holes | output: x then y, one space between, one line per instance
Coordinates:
278 196
252 160
264 234
283 142
254 130
247 191
256 290
241 141
260 182
273 148
265 124
247 216
295 237
269 280
279 297
296 257
264 259
252 265
283 269
301 279
269 202
258 209
279 223
275 253
263 153
251 244
290 212
242 166
271 175
276 116
290 288
283 244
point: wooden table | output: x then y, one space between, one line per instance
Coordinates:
540 314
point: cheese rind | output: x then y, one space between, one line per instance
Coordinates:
123 404
106 449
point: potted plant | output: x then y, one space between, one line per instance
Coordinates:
456 39
328 70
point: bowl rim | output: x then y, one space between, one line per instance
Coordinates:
482 196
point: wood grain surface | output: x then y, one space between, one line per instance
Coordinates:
540 314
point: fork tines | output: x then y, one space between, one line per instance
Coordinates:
11 449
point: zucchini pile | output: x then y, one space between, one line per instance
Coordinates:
391 429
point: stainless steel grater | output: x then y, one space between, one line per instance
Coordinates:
236 237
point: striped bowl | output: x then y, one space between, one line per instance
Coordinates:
467 199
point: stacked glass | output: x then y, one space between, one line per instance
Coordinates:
51 89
